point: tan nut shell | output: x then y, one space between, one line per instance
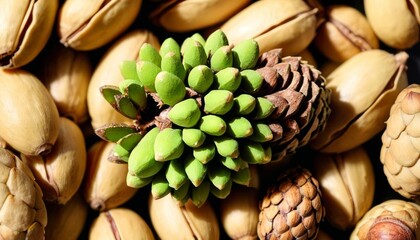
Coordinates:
67 77
107 72
347 183
30 120
22 211
287 24
87 25
66 221
191 222
345 33
239 213
26 26
396 23
363 90
60 173
120 223
105 182
406 212
400 152
189 15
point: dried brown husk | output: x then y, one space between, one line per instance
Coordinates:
300 98
105 185
66 221
363 90
60 173
22 211
67 78
390 216
30 119
107 72
286 24
26 27
120 223
345 33
400 152
192 222
347 182
189 15
396 23
88 25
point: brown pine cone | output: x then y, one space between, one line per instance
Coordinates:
302 101
292 208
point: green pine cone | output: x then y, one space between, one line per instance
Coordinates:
203 111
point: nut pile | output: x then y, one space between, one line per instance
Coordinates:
248 119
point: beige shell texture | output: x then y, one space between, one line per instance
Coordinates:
347 183
363 89
190 15
105 185
22 211
191 222
88 25
400 152
345 33
60 173
67 78
402 30
107 72
30 122
120 223
66 221
286 24
26 26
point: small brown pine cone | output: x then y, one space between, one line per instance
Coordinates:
301 100
292 207
400 152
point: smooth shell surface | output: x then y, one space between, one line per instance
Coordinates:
30 122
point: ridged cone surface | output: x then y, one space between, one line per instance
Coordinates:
285 96
400 152
23 213
292 207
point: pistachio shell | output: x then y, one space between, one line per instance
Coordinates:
286 24
400 31
105 182
60 173
191 222
67 78
107 72
26 28
66 221
347 183
363 90
87 25
120 223
30 122
184 16
239 213
345 33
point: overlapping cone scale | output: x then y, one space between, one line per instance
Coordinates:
230 106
